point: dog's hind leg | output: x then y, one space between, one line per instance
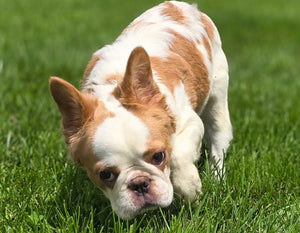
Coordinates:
215 116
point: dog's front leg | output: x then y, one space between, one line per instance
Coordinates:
186 151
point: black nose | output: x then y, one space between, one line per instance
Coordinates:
140 185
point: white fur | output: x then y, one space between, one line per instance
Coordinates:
120 139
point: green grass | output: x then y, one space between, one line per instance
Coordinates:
42 191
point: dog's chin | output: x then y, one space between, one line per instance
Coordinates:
146 207
133 211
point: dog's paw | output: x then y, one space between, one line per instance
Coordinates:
186 182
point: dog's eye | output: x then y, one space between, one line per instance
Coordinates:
158 158
107 176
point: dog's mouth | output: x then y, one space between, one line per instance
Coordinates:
145 203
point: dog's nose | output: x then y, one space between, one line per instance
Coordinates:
140 185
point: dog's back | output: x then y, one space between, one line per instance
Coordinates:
180 41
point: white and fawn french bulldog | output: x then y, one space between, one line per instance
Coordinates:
137 125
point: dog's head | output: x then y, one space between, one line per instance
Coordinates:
124 142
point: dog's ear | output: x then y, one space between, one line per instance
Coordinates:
76 108
138 84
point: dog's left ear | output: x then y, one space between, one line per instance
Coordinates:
138 85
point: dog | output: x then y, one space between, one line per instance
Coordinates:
146 100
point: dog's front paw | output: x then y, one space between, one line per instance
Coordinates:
186 182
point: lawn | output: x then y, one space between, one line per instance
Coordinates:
42 191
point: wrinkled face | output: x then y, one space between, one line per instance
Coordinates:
124 144
130 163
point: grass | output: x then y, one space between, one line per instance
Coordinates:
42 191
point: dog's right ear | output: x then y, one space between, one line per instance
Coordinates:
76 108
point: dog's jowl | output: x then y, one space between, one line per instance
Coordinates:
145 104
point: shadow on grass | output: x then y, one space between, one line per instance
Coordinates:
78 202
